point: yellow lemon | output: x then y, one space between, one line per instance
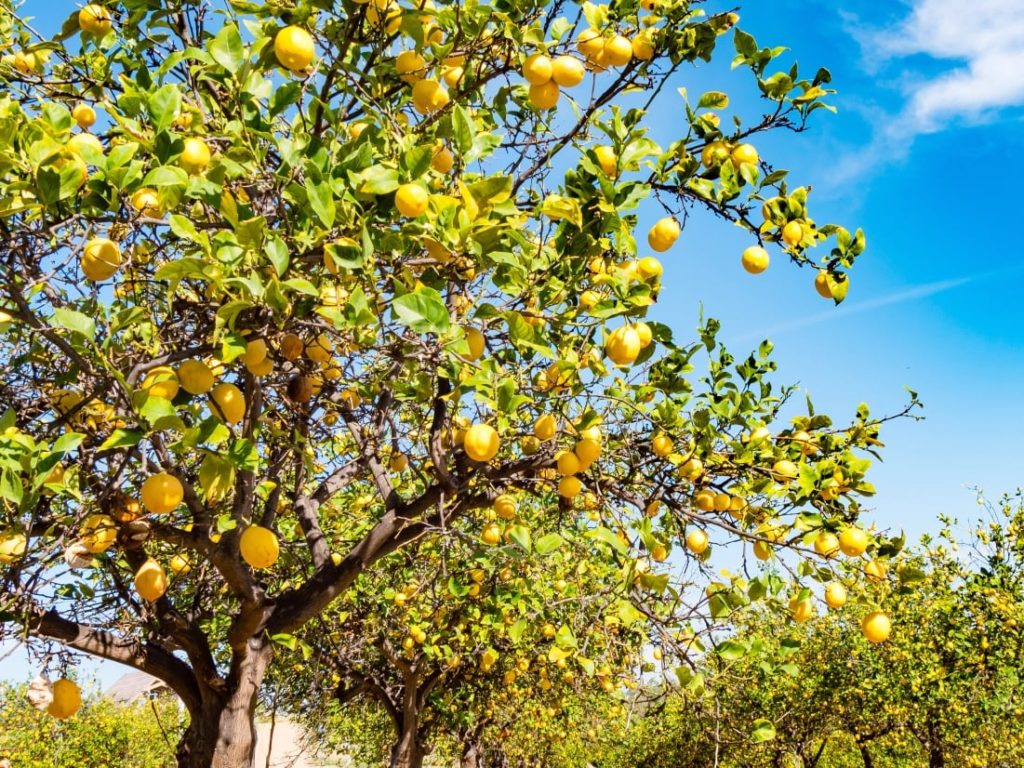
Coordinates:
663 234
228 403
95 20
481 442
161 381
545 427
259 546
151 581
567 71
835 594
161 493
755 259
84 116
505 507
195 157
98 533
294 49
195 377
67 697
545 95
411 200
100 259
623 346
537 69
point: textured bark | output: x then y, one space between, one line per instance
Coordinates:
222 732
470 756
865 755
407 752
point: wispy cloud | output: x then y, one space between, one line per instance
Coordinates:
984 43
953 63
846 310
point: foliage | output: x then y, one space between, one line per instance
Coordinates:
102 735
261 302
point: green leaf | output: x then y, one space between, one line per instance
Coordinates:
377 180
75 322
564 637
321 200
68 442
545 545
730 650
515 632
520 534
713 100
163 107
166 176
608 537
423 311
226 48
762 730
121 438
277 252
462 130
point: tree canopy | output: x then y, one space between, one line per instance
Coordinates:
309 304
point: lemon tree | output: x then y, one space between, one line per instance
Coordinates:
266 256
454 635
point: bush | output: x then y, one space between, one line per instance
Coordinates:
102 735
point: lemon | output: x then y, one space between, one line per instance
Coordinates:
481 442
84 116
161 381
545 427
259 546
195 377
505 507
161 493
428 96
744 153
697 541
853 541
567 71
98 533
618 51
623 346
835 595
293 47
608 160
537 69
545 95
195 157
228 403
663 234
755 259
411 200
151 581
410 66
67 696
95 20
876 627
100 259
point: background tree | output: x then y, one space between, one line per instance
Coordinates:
135 736
251 255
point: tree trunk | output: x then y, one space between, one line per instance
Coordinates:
407 752
222 734
470 756
865 755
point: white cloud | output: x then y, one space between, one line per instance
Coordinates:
984 43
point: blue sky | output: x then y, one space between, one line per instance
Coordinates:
925 154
